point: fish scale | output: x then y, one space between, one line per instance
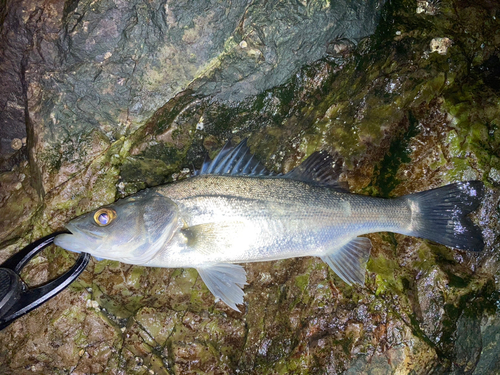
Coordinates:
331 216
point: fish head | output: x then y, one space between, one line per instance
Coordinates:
131 230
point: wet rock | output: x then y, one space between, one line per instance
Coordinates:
105 67
431 303
490 334
468 343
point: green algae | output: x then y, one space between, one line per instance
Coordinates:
426 259
302 281
386 278
398 154
144 172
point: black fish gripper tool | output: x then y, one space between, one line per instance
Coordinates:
16 299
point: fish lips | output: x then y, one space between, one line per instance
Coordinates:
75 241
68 242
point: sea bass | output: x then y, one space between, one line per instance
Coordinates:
235 211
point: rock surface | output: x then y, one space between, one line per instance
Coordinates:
104 67
405 115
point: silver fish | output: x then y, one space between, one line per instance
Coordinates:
235 211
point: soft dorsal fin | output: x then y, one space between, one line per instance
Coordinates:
320 168
235 160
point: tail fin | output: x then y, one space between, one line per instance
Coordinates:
440 215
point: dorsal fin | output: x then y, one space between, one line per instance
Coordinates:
320 168
235 160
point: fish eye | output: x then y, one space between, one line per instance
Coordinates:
104 216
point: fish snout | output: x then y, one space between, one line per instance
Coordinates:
73 242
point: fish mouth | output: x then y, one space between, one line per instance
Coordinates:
69 242
78 240
81 232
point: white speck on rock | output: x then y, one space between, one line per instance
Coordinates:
440 45
494 174
92 304
430 7
16 144
200 125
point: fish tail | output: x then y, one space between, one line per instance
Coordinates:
440 215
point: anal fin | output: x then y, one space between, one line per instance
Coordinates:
349 262
225 281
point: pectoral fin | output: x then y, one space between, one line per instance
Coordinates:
225 281
349 262
207 238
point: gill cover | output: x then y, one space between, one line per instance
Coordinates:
160 220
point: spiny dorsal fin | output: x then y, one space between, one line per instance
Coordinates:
235 160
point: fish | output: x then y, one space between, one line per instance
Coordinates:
233 210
